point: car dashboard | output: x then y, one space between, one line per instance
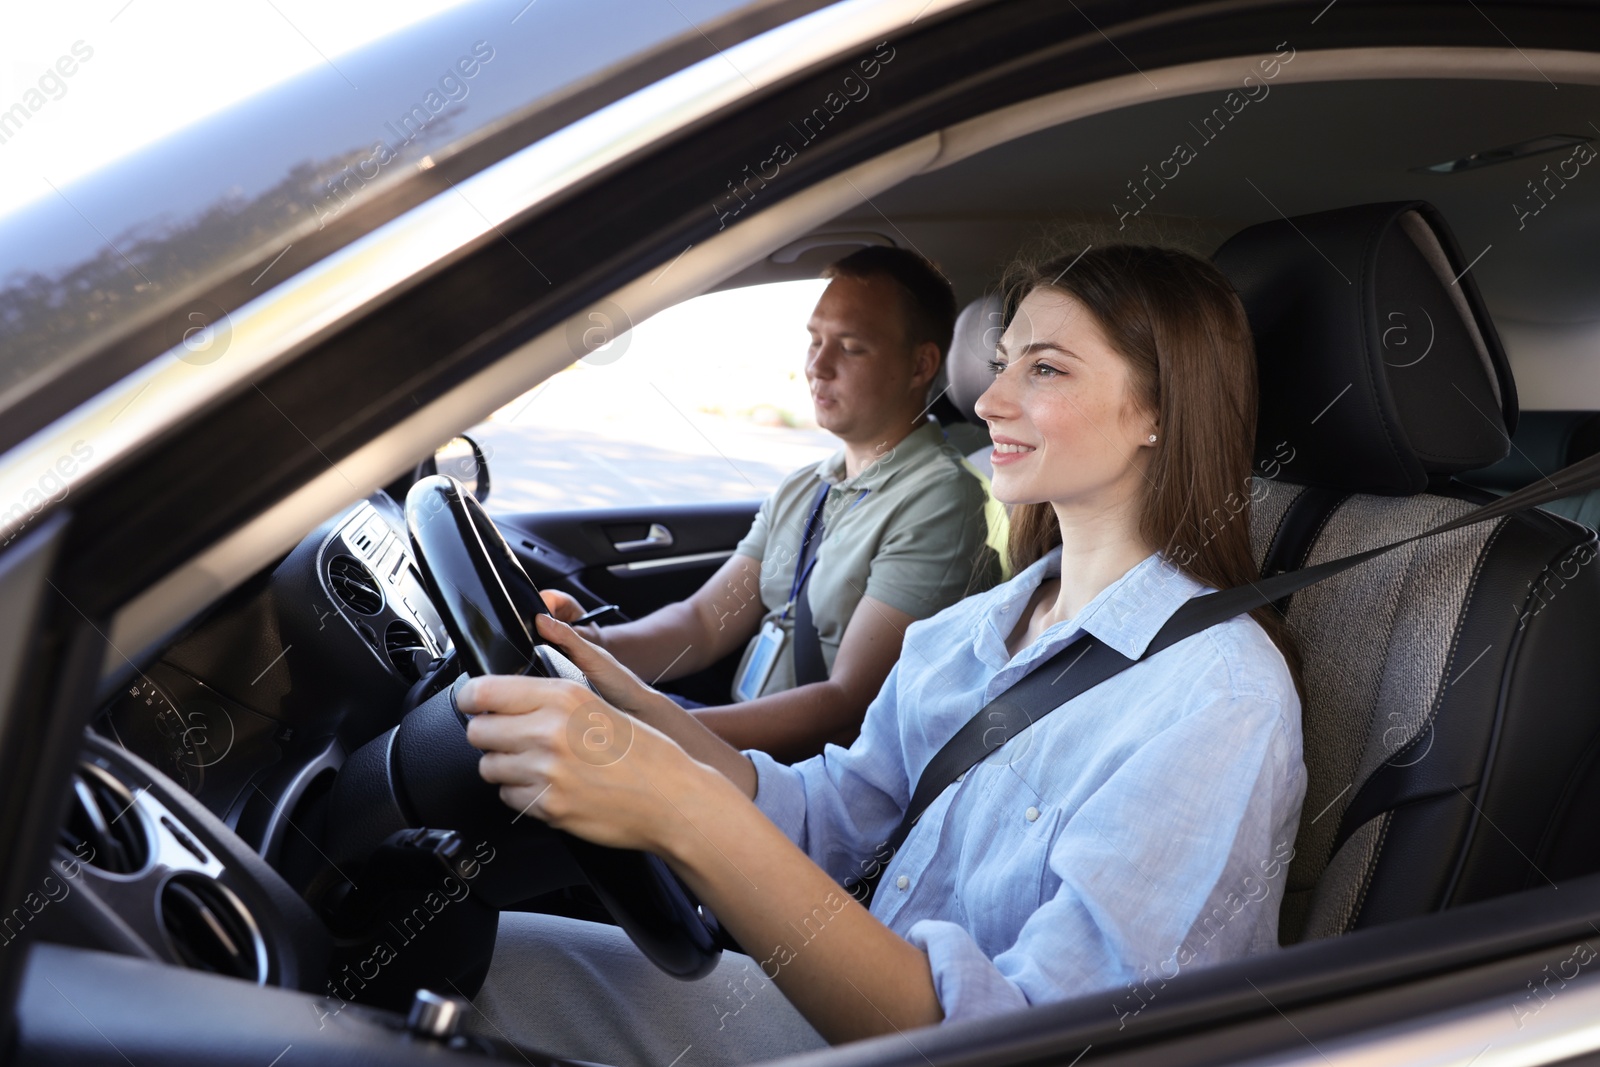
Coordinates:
317 654
200 795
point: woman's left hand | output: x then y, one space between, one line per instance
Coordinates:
561 754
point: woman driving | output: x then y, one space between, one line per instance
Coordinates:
1142 828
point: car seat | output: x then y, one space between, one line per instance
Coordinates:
1452 694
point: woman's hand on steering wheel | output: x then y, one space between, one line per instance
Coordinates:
563 755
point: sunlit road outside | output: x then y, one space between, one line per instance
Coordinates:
551 465
706 401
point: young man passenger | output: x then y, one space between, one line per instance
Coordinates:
902 528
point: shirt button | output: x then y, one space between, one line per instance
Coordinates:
902 882
1031 814
961 777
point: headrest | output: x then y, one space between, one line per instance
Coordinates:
978 330
1380 369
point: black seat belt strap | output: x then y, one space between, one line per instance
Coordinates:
1087 662
809 664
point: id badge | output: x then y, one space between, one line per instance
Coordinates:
762 659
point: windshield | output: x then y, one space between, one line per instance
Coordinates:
80 259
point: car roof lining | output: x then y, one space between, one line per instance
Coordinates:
145 622
1043 176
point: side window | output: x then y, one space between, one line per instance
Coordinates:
706 401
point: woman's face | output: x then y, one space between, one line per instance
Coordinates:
1066 426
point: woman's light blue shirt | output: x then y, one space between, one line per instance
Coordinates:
1142 828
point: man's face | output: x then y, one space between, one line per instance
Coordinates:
863 375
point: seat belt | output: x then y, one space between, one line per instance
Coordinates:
1087 661
809 664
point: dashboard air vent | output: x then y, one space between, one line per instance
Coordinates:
406 651
209 928
354 585
104 827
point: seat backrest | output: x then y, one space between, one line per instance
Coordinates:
1452 694
977 331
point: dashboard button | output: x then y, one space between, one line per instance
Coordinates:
185 840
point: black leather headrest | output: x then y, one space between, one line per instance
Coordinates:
1380 369
978 330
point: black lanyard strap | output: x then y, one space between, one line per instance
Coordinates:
811 543
805 559
1087 661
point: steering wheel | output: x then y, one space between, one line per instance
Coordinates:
488 603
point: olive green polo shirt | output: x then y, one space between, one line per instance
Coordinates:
915 541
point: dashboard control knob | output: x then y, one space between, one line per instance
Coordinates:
435 1015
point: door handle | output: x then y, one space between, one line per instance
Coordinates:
657 537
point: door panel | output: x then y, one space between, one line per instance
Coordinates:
666 553
639 558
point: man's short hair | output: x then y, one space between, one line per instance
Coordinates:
926 296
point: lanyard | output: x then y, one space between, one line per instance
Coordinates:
813 532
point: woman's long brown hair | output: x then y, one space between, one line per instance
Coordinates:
1178 323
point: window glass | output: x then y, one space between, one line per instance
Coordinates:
706 401
90 243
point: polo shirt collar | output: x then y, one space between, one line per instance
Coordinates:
1125 615
909 452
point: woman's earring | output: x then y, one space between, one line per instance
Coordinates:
1152 438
